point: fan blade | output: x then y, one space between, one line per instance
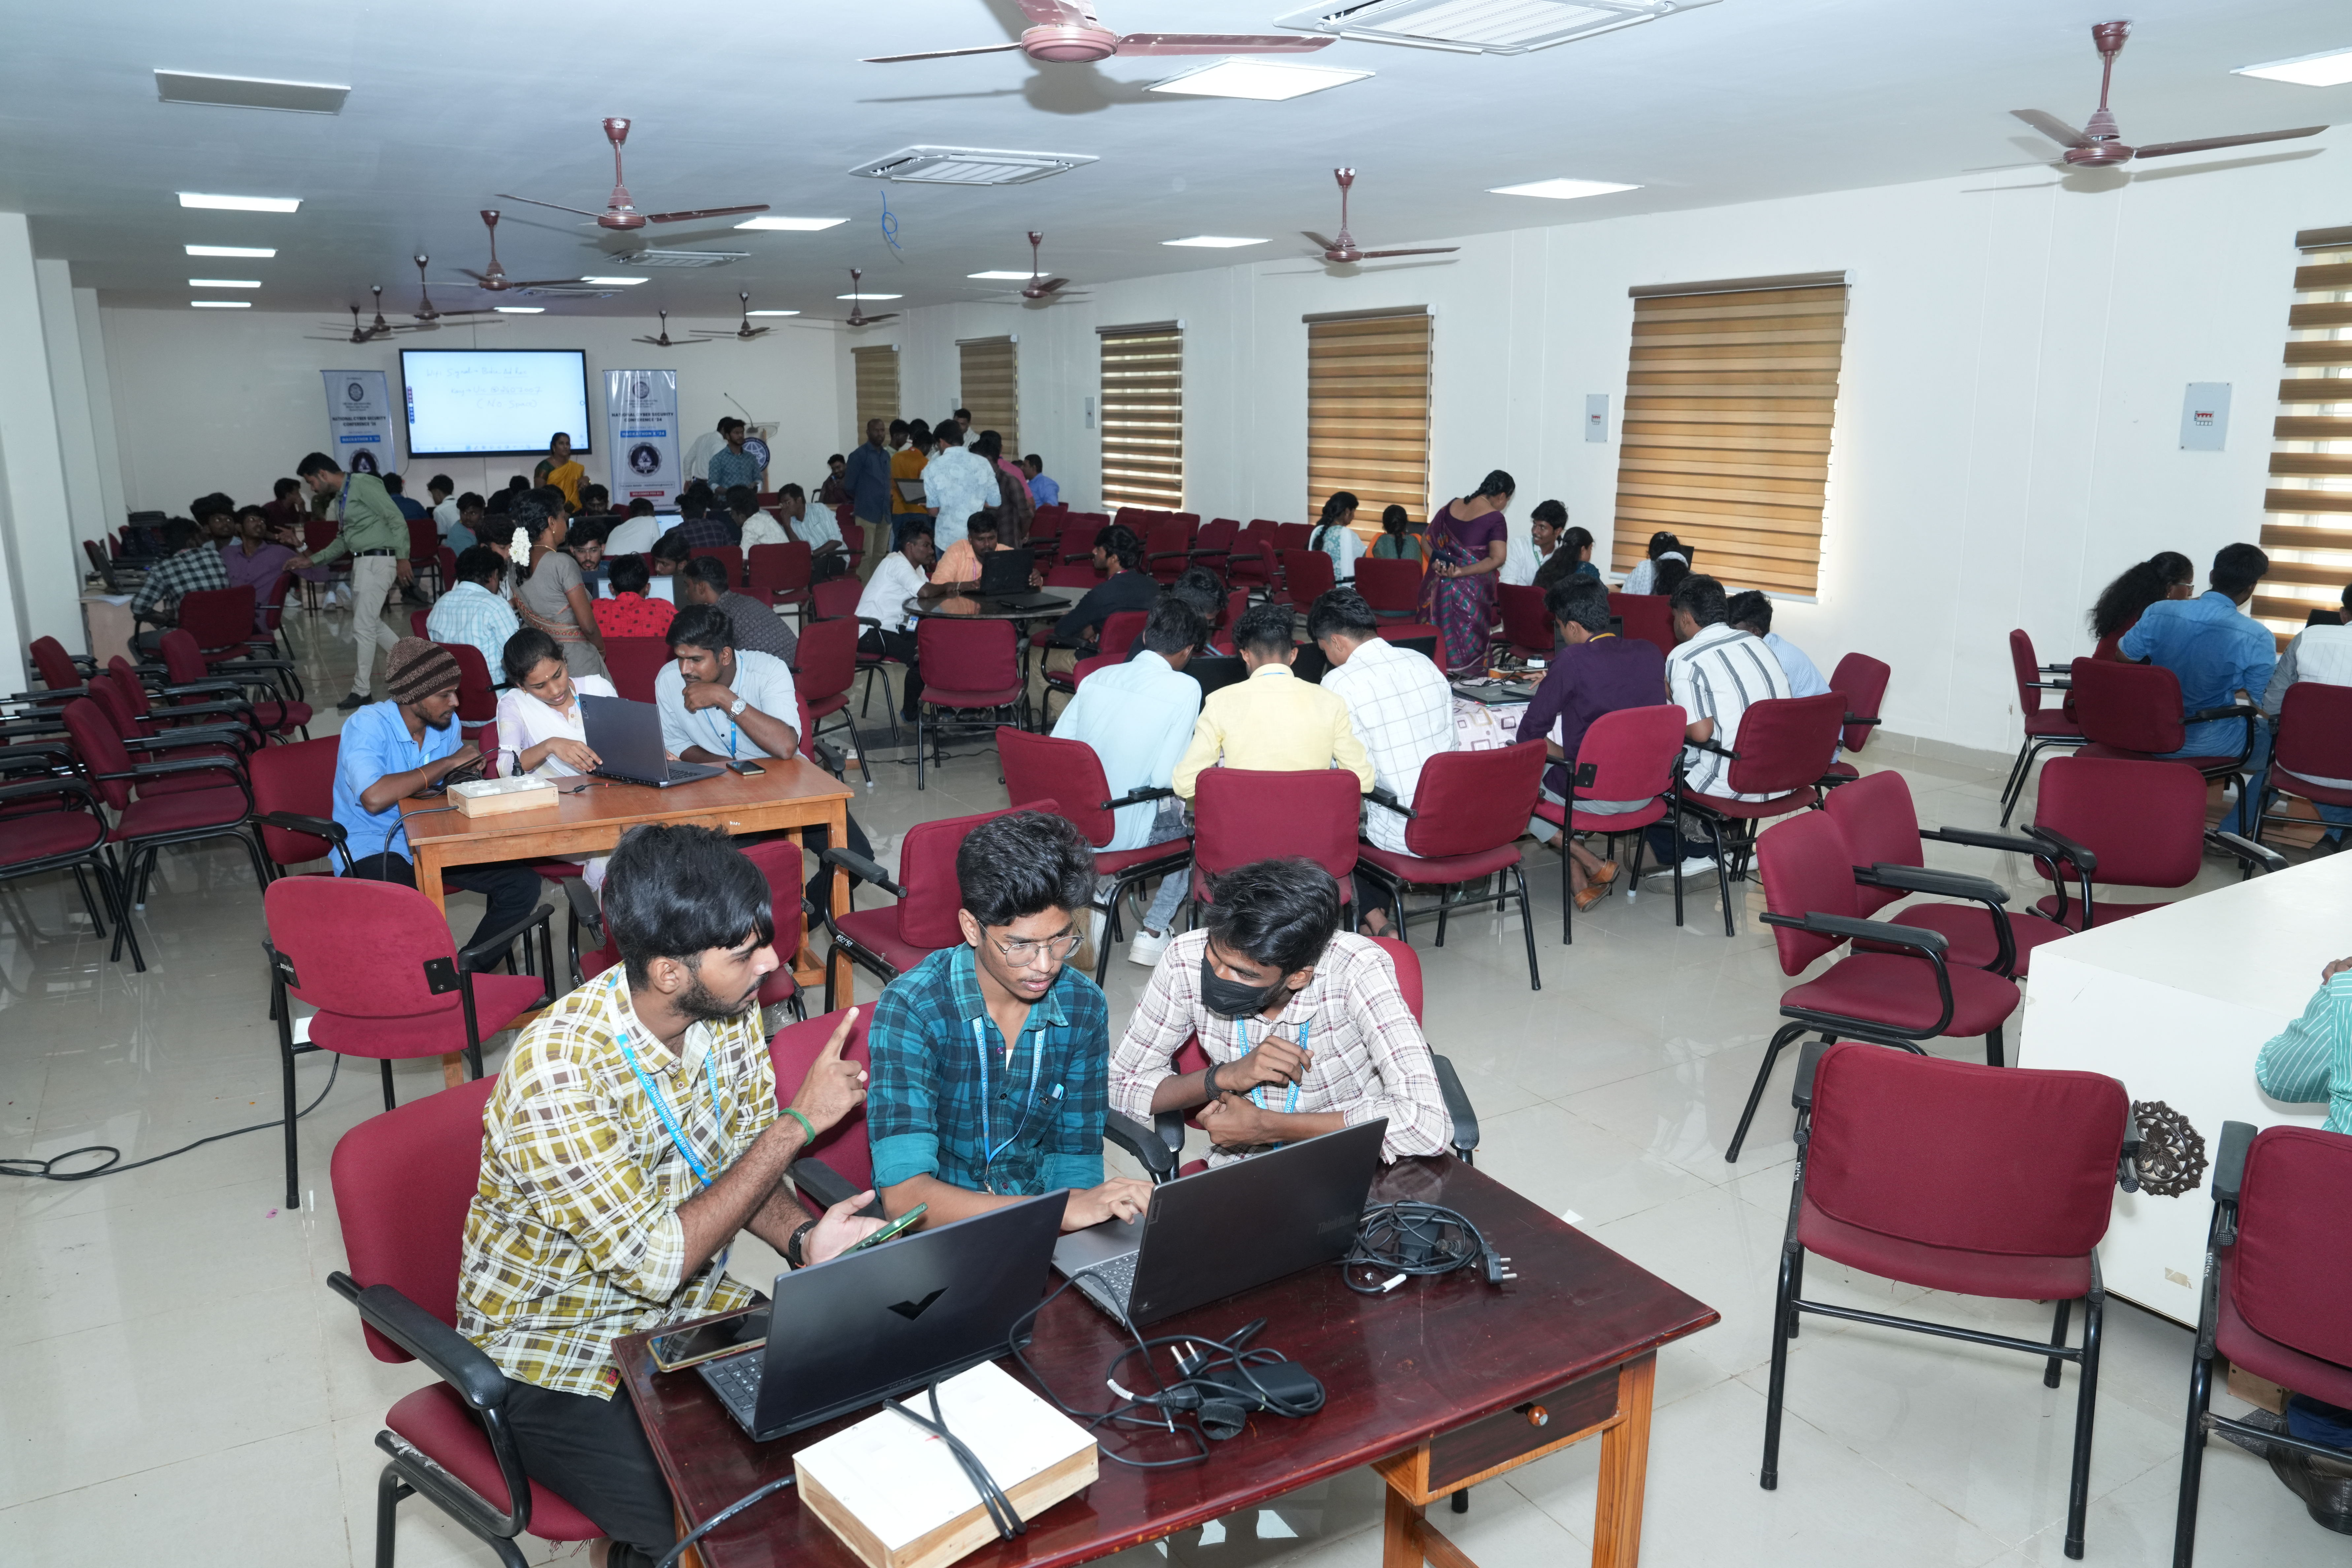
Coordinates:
1056 13
2167 149
1320 243
939 54
1218 44
1053 283
558 207
705 212
884 316
482 278
2050 125
1427 250
756 332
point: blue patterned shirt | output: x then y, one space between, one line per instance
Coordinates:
2217 651
728 467
945 1087
471 613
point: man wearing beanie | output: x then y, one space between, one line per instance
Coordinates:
391 750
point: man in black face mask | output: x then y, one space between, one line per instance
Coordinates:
1304 1025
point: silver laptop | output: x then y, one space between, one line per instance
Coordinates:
627 736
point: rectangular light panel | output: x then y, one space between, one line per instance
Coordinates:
617 282
1215 241
241 204
520 310
262 252
224 283
250 92
222 304
2333 69
776 313
1269 80
1560 189
792 225
1001 277
879 296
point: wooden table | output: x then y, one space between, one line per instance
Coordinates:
1443 1384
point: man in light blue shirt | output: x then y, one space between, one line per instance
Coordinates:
2221 656
738 705
1043 490
1752 612
1138 718
958 484
474 613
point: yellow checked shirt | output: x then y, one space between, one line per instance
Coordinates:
573 1237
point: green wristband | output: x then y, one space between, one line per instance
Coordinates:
806 1127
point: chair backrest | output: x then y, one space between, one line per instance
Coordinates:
1079 573
1243 815
2291 1269
1408 971
122 700
828 652
1293 536
2144 821
1120 628
419 624
1862 681
1167 536
927 855
424 539
1527 624
2027 672
1649 618
1307 574
359 948
967 656
1881 827
478 701
1065 775
403 1182
633 662
217 618
835 597
1808 870
1216 535
1471 802
792 1052
778 860
1631 752
318 533
184 662
1394 587
730 556
1784 741
298 777
1045 526
2131 707
273 611
2314 731
779 568
54 665
96 743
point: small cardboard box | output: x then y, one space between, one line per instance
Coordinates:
496 797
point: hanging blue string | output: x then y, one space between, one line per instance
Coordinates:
889 224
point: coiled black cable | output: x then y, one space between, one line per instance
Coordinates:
39 1170
1403 1239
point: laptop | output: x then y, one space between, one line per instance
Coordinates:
1004 581
1309 665
628 737
867 1326
1303 1202
1215 672
911 494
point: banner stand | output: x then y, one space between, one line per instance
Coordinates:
641 412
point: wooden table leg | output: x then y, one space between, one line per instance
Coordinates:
1401 1532
428 882
1624 1469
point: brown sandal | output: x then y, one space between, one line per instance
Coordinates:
1604 877
1591 894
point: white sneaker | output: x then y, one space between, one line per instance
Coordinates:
1697 866
1147 948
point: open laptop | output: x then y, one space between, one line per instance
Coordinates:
628 737
862 1327
1229 1228
1215 672
1004 581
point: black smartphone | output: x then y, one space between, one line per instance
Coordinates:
748 769
744 1330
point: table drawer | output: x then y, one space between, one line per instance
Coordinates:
1549 1418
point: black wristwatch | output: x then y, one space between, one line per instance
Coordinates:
1209 1080
792 1248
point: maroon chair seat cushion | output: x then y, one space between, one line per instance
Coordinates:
947 697
2283 1364
2327 795
1900 992
223 806
1841 771
824 707
1439 869
877 931
1969 929
2009 1275
1602 822
498 1000
2051 724
188 783
437 1421
42 835
1111 862
278 718
1778 805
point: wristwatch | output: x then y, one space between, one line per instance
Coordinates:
735 709
793 1248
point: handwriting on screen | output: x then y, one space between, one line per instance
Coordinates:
463 401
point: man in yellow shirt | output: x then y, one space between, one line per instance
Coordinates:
557 468
1273 720
908 461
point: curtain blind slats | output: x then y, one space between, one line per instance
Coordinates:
1143 418
2304 524
1729 395
1367 412
878 385
991 369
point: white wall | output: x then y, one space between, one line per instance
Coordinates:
2007 434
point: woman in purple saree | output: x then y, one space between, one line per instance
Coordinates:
1467 542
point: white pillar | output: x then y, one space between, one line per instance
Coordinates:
87 325
14 667
69 393
40 554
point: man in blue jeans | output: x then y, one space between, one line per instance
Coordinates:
2222 656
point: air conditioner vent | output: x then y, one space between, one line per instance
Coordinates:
1481 26
968 165
682 258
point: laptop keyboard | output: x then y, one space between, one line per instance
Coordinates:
736 1380
1116 1279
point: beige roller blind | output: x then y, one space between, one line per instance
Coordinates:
2307 506
992 390
877 385
1143 418
1368 413
1726 442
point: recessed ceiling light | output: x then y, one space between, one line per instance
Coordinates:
262 251
250 92
1213 241
520 310
617 282
224 283
222 304
2333 69
241 204
880 296
776 313
1268 80
1560 189
793 224
1002 277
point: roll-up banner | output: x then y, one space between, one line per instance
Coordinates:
359 421
641 409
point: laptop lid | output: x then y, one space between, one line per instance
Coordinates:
1309 665
626 735
862 1327
1003 571
1215 672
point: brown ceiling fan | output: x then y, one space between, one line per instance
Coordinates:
427 316
747 331
2099 145
377 331
857 316
1041 287
359 334
1341 251
496 280
1065 32
665 341
618 213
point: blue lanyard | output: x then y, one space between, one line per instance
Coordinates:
1257 1095
661 1105
989 1148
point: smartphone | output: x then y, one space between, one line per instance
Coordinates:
903 1223
744 1330
748 769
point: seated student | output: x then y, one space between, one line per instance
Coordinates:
595 502
1573 559
1043 490
1666 574
2322 651
1544 526
1642 578
474 610
397 748
899 576
1400 706
1305 1028
192 564
2166 575
699 525
2221 656
254 559
959 570
1751 612
1593 671
1272 720
703 581
835 491
637 533
1335 535
817 526
669 554
1129 587
635 1131
1397 540
752 525
394 487
464 531
542 729
989 1057
629 613
1139 717
1713 673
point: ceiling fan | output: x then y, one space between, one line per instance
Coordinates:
747 331
1064 32
496 280
857 316
618 213
1038 287
359 334
2099 145
377 331
666 342
1342 251
426 315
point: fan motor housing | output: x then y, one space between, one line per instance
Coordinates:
2098 154
1068 44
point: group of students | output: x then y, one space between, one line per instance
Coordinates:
908 473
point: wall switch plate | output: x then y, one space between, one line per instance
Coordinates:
2205 416
1090 412
1596 416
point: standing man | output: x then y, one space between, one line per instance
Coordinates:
1401 707
912 454
2222 656
733 466
706 445
371 529
557 468
956 484
867 473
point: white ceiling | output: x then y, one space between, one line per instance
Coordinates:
452 103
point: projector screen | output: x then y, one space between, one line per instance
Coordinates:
473 402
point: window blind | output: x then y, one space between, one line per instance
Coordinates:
991 389
878 385
2307 506
1143 418
1729 397
1368 413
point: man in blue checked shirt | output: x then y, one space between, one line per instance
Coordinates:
992 1060
2223 658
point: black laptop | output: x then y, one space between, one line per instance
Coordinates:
1215 672
627 737
1004 575
862 1327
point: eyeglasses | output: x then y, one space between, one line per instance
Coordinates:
1022 952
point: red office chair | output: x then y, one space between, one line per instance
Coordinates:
840 1162
294 803
1630 755
1880 1135
2275 1276
1244 814
886 942
213 727
834 598
778 860
403 1182
1236 605
1862 681
1307 575
377 961
52 823
185 667
780 573
2133 713
221 620
1646 616
1168 550
730 556
1067 778
2044 727
1119 630
62 674
1045 529
1468 812
1781 743
1898 998
633 662
981 664
418 625
2129 824
477 699
1080 574
1253 559
1214 542
1882 831
1293 536
827 670
2313 741
1527 624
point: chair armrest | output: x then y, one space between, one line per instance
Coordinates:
180 766
194 735
2230 1160
1150 1149
1138 796
828 1186
1712 745
2232 711
830 757
295 822
56 784
198 688
865 871
190 709
1859 719
2062 684
43 754
584 907
1383 796
1917 938
1924 879
46 694
1977 839
2083 860
28 724
491 946
1809 1061
2247 850
1457 1106
457 1359
2127 1161
867 621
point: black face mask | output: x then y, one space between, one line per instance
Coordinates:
1231 998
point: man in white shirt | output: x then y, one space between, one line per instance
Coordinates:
814 525
2322 652
637 535
1400 706
443 492
957 484
706 445
1714 673
890 631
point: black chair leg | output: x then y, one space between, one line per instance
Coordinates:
1678 815
2057 1339
1527 927
919 713
81 881
1567 890
1442 902
2086 1399
1996 1057
1787 1032
389 1103
389 1489
1783 1311
110 883
2192 1459
286 1062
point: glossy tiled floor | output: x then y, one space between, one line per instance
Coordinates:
180 1388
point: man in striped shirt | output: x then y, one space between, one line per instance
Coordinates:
1715 671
